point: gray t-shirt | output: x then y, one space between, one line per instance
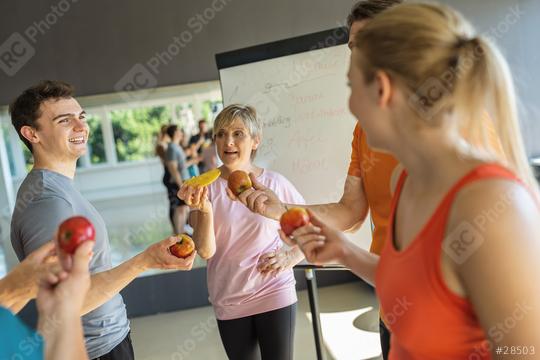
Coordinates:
175 153
44 200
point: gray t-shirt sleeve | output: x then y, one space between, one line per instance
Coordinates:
40 223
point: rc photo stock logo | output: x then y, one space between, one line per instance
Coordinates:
136 84
427 99
17 49
15 52
140 81
462 242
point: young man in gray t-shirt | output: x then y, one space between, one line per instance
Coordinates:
53 126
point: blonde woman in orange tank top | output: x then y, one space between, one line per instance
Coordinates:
458 275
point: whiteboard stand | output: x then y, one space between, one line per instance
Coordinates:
311 280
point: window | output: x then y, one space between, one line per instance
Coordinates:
28 158
135 131
210 109
96 143
185 117
3 270
9 148
4 221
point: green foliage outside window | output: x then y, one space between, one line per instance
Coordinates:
28 157
135 131
7 141
96 144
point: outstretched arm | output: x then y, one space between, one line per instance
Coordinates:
106 284
348 214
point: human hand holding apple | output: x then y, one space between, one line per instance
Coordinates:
260 199
319 243
62 290
158 256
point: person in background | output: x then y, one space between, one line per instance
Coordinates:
250 277
199 142
53 126
177 164
162 144
60 296
462 253
209 159
191 153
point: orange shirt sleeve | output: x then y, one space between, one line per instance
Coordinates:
355 168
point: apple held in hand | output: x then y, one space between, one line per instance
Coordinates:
183 248
292 219
73 232
239 181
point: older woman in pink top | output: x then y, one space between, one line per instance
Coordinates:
250 276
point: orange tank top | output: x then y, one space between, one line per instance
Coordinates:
426 319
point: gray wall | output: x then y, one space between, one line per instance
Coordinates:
95 44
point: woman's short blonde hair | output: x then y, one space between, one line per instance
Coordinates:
245 113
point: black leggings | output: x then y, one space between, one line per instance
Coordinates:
266 336
385 339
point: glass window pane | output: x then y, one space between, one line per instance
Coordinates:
4 224
96 144
186 119
5 130
28 158
3 266
135 131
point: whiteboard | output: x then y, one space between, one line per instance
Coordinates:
302 100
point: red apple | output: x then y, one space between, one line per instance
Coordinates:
292 219
74 231
239 181
183 248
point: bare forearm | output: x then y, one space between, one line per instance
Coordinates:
350 212
13 294
339 216
361 262
109 283
63 337
203 234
